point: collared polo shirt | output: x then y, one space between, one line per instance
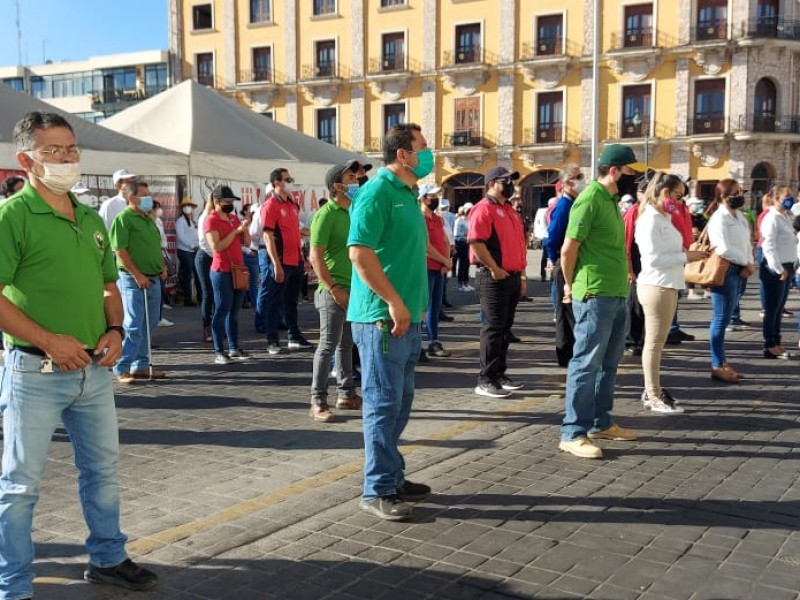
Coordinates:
436 235
500 227
139 235
221 261
54 269
330 227
283 218
602 267
385 216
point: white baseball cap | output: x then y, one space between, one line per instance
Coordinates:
122 174
79 188
427 189
468 205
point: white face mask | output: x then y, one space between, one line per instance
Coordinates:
579 186
288 187
188 210
58 177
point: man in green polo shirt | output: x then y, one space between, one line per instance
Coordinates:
61 313
388 243
330 227
137 243
595 269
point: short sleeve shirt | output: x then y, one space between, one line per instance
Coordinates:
54 269
283 218
436 235
500 227
139 235
222 260
330 227
385 216
602 266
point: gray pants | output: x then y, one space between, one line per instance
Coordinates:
334 336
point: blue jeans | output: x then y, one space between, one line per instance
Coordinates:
272 295
135 349
736 314
775 293
387 386
33 404
758 254
251 262
202 263
600 325
227 303
435 294
723 301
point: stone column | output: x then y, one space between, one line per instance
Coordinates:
739 93
175 41
508 31
505 118
587 84
290 61
230 59
681 97
358 69
430 34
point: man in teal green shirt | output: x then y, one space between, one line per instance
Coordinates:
137 242
595 269
388 242
329 256
61 313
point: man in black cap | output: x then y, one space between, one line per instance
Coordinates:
595 268
497 243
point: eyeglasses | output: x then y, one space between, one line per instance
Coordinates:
58 152
288 180
578 177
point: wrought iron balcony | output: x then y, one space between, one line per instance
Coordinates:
714 29
707 123
644 129
467 138
374 145
468 55
324 70
551 133
636 37
550 47
768 123
392 64
257 76
772 27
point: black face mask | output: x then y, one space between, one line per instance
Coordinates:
363 180
433 204
736 202
227 208
626 184
508 188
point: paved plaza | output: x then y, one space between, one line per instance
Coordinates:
231 492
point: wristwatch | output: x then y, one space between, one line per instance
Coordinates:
118 328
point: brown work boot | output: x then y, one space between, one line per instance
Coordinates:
353 403
321 413
147 374
126 378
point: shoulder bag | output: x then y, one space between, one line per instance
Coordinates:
707 272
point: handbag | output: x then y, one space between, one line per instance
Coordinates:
706 272
240 275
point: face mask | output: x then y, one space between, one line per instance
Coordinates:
736 202
787 203
363 180
697 208
670 205
227 208
145 203
433 203
625 183
288 187
579 186
352 190
187 210
424 163
508 189
59 177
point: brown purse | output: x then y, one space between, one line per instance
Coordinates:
706 272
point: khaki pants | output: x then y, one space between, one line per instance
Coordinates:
659 304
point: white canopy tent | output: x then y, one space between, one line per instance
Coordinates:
224 140
103 151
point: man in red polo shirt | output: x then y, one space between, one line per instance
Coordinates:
282 263
497 247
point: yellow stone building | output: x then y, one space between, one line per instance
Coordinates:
706 88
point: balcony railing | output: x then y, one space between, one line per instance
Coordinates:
715 29
374 145
549 47
468 138
551 133
393 63
467 55
258 76
627 129
772 27
707 123
637 37
768 123
324 70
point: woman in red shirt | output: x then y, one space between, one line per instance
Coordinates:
438 265
226 235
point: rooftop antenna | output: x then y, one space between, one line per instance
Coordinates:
19 36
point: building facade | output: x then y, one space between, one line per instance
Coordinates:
705 88
95 88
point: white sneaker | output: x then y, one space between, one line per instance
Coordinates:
461 288
693 296
165 323
167 307
469 288
238 354
220 358
273 348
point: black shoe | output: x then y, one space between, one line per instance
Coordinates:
126 574
635 350
388 508
512 339
446 304
445 317
510 385
673 340
423 357
683 336
413 492
492 390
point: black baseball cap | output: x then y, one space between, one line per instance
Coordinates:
223 192
499 173
334 174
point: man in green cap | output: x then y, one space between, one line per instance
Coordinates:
595 269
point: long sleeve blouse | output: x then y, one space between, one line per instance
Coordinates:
661 249
186 234
777 240
729 235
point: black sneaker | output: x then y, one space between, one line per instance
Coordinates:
423 357
492 390
299 343
126 574
508 384
683 336
511 338
388 508
445 317
413 492
673 340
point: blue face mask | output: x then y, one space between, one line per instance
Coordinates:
425 163
787 203
352 190
145 203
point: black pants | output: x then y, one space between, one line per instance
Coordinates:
499 303
635 335
565 320
462 254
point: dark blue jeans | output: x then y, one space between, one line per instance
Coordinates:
273 295
723 300
186 260
251 262
435 294
775 293
227 302
202 262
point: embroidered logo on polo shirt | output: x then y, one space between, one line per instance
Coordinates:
283 212
500 212
100 240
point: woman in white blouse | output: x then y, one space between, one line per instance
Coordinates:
662 257
729 236
779 248
187 242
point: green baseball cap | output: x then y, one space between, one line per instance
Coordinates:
620 155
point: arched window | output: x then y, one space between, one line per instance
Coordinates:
763 176
462 188
764 105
